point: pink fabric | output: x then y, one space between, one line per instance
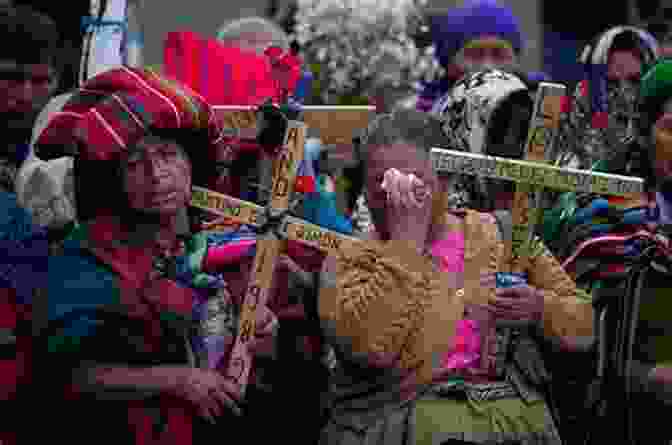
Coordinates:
450 251
465 352
226 255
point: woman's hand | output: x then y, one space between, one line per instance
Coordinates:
209 391
408 207
519 304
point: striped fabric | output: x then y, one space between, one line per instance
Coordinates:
116 108
597 238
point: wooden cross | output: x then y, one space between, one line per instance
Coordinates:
531 175
536 174
337 125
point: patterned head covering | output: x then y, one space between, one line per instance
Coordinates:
109 114
466 112
595 58
115 109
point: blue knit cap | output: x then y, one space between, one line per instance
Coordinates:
476 18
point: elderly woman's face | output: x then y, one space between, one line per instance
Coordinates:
157 176
405 158
484 53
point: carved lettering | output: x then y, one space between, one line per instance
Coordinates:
292 137
246 331
281 187
323 239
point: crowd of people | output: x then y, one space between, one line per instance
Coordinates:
120 303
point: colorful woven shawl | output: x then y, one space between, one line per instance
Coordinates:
593 235
97 314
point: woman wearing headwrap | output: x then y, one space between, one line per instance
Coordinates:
464 111
477 35
589 231
601 123
409 311
119 320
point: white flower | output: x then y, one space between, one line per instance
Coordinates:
368 42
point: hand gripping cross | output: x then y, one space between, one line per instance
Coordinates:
273 221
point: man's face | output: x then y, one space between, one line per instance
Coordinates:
24 91
157 176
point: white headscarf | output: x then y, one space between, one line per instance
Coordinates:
250 25
46 188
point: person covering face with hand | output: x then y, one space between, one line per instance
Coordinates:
409 311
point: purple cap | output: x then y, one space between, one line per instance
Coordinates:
476 18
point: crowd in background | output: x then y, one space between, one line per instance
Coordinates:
120 304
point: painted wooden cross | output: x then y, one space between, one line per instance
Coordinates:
533 174
524 172
337 125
